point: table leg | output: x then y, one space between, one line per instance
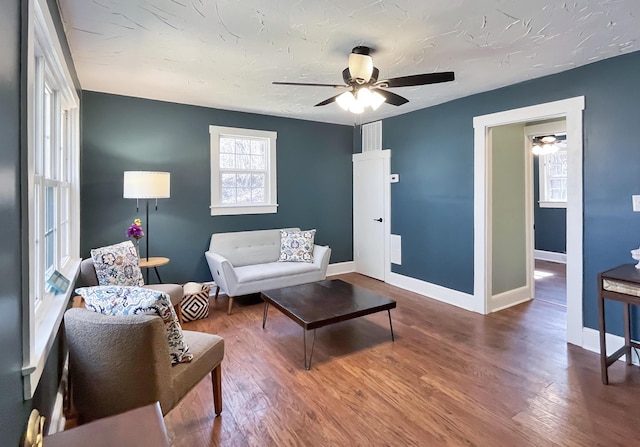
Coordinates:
157 274
304 341
264 313
391 325
627 332
603 342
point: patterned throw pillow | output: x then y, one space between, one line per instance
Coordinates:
115 300
296 246
117 265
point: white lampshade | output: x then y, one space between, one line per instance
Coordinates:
146 185
360 67
345 100
377 100
364 97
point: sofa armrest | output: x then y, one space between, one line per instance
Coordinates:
321 256
222 272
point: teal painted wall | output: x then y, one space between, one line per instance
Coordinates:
432 206
509 254
123 133
550 223
13 410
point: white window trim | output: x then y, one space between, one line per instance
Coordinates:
543 129
40 326
217 208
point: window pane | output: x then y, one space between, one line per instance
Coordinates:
49 233
243 146
46 135
227 145
257 180
228 195
227 161
257 162
228 180
243 195
257 195
243 162
243 180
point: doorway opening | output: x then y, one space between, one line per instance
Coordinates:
571 109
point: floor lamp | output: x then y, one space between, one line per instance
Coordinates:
146 185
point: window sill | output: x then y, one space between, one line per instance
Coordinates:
219 210
552 204
46 330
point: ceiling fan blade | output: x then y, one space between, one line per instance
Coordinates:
392 98
421 79
327 101
311 84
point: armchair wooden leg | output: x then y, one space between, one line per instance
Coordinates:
217 291
216 381
230 305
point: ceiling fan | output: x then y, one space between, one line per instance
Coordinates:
364 89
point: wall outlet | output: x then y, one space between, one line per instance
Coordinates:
636 203
395 178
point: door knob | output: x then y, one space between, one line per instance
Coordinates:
379 219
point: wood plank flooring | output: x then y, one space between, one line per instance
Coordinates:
452 378
553 288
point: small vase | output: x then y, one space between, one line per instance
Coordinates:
136 244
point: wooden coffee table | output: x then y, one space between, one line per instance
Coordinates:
322 303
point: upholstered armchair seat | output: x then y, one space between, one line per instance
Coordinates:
118 363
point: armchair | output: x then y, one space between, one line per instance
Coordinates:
118 363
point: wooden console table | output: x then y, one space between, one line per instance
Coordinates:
627 276
140 427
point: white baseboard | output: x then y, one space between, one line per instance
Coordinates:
551 256
439 293
591 342
340 268
510 298
57 419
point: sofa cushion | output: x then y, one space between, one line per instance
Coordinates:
117 265
115 300
296 246
258 272
247 247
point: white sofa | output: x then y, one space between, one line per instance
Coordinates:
245 262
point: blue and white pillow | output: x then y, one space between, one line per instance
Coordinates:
116 300
117 265
296 246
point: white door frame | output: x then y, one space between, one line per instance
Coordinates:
385 155
571 109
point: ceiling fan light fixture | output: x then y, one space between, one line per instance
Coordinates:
377 100
360 67
345 100
356 107
364 96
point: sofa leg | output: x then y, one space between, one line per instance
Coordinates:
230 305
216 381
217 291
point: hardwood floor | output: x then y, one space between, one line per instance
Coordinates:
551 282
452 377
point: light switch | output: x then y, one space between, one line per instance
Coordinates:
395 178
636 203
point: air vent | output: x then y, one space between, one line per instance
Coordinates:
372 136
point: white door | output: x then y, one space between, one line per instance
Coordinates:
369 213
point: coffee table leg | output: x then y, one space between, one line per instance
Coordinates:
304 341
391 325
264 314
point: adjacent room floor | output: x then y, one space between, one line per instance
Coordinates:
551 282
452 377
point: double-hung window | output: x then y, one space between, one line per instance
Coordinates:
243 171
553 179
52 184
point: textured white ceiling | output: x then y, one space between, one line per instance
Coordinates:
225 53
